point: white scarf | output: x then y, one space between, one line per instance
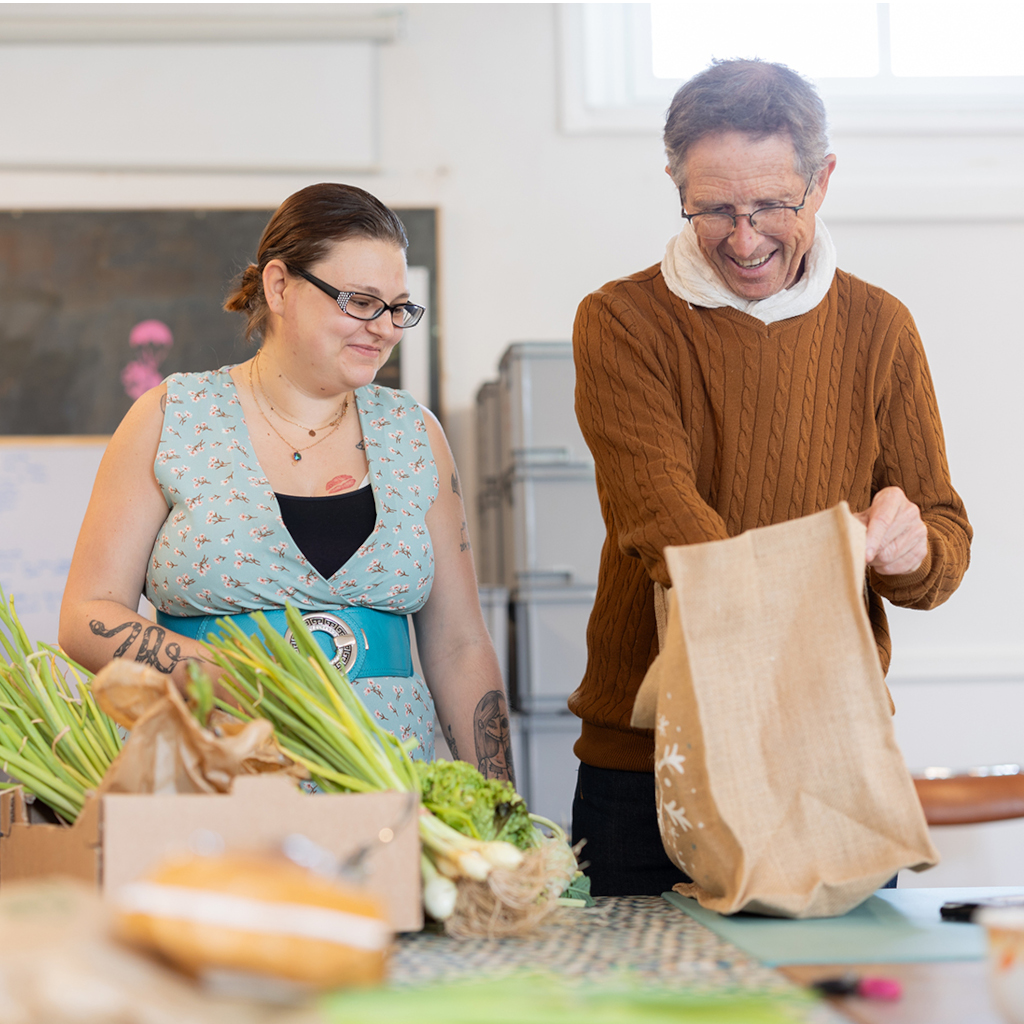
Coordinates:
689 275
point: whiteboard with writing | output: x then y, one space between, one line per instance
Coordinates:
45 483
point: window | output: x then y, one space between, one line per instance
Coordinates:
840 41
899 67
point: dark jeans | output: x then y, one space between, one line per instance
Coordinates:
615 812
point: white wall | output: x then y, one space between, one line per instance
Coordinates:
532 219
468 122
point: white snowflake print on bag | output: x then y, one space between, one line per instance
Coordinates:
669 771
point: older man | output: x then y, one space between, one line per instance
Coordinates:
743 381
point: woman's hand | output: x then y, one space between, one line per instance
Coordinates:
458 659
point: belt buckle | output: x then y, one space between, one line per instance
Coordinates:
346 645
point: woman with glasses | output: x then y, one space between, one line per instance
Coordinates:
292 477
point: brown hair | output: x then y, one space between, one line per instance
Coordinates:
300 232
750 96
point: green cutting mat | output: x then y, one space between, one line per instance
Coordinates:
894 925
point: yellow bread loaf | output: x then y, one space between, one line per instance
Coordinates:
256 914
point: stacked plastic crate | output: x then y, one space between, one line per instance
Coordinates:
488 544
551 531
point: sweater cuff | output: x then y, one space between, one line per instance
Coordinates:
887 585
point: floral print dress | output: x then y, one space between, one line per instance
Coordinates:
224 547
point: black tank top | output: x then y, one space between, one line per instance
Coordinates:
329 529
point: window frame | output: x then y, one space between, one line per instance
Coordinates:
634 101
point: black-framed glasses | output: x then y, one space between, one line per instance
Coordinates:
769 220
366 307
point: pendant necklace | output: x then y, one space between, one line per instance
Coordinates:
311 430
296 452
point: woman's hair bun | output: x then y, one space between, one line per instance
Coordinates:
250 288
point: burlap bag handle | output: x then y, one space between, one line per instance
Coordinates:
645 705
661 595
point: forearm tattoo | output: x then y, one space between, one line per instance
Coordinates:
463 531
449 737
101 630
150 649
493 737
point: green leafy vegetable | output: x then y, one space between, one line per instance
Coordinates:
482 808
578 892
473 830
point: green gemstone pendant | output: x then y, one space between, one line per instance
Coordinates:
296 456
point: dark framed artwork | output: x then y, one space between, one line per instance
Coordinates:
95 306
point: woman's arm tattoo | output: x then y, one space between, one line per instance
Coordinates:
449 737
493 737
149 650
101 630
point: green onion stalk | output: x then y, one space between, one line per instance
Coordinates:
54 739
324 726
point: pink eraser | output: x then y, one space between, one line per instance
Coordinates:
880 988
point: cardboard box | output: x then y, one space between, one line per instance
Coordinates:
119 836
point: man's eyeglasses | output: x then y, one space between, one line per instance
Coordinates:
769 220
367 307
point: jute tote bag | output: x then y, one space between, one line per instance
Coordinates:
780 787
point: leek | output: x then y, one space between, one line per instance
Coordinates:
324 726
54 740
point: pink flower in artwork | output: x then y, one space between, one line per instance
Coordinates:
151 332
150 340
139 376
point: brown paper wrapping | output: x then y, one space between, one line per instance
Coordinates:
168 751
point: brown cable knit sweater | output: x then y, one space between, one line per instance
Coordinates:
707 422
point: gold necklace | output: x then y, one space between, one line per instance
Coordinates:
296 452
311 430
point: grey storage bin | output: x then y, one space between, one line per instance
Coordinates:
538 418
546 767
519 762
553 530
489 542
550 645
494 605
488 434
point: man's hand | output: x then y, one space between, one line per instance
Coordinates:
897 539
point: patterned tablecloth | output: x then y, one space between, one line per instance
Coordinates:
642 935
